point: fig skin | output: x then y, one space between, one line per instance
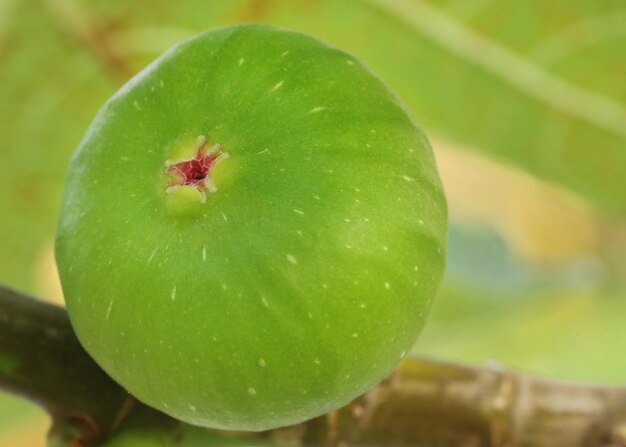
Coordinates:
299 278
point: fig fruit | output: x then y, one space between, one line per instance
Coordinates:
252 230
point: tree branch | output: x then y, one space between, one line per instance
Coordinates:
424 402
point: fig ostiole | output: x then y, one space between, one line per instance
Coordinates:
189 177
252 230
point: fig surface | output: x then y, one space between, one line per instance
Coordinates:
252 230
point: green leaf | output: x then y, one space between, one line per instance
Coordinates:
49 92
516 82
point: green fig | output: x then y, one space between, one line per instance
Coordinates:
252 230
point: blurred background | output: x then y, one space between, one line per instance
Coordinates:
523 101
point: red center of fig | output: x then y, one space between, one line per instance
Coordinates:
195 172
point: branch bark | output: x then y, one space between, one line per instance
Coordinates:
424 402
427 402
